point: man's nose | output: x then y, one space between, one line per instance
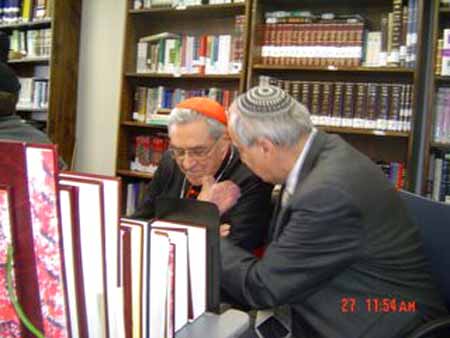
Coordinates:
188 162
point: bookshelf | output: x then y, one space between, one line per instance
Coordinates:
435 182
153 83
292 47
56 68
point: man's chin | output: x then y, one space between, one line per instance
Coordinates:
194 180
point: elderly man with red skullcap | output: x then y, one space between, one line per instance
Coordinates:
201 154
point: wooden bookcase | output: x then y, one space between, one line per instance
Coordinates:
61 70
439 20
379 145
191 20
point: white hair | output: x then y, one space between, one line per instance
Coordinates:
184 115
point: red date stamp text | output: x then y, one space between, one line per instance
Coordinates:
352 305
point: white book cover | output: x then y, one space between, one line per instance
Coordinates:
141 59
224 54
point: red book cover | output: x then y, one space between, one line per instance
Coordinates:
31 172
9 322
202 49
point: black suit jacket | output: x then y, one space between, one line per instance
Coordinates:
342 240
249 218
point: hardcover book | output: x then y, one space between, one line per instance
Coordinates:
30 172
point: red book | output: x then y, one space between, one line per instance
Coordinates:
9 323
202 49
30 171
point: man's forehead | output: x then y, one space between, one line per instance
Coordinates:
190 135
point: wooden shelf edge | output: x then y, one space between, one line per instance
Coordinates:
143 125
196 8
30 24
437 145
185 76
43 59
131 173
31 109
335 69
360 131
442 78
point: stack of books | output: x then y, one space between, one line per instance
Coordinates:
78 270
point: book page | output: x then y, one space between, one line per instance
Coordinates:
197 263
136 232
159 265
179 238
89 201
111 206
69 259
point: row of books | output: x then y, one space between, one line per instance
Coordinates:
443 54
381 106
140 4
395 172
30 43
147 151
187 54
135 196
442 116
312 44
78 270
149 100
16 11
438 183
299 38
33 93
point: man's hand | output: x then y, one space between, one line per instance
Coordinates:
224 230
223 194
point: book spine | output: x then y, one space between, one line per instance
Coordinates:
360 105
394 55
384 107
348 106
337 105
438 61
326 103
315 102
446 53
394 112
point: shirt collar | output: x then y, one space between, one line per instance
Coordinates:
292 178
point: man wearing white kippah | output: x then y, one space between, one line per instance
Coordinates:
339 244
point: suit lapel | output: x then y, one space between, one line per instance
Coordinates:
308 164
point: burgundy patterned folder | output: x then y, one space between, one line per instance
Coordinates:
30 171
9 322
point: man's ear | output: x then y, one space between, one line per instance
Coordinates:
265 146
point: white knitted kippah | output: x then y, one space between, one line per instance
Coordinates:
264 101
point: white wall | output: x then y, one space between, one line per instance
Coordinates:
102 33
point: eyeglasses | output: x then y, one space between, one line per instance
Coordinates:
198 153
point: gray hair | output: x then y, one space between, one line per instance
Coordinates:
184 115
269 112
